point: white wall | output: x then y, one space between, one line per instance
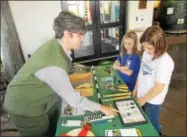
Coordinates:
33 21
134 11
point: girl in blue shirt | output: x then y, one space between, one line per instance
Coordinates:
128 62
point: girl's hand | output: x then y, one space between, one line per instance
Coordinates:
141 101
117 63
134 93
116 67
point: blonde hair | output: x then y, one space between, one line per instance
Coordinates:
132 35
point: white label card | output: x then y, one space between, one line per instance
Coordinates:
170 10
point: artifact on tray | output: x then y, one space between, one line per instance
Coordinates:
84 85
79 68
85 89
67 110
117 98
118 88
108 70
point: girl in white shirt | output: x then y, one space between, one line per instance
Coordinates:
154 75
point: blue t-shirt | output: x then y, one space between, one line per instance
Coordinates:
133 61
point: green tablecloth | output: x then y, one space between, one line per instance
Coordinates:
99 128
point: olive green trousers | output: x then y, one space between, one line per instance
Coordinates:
44 125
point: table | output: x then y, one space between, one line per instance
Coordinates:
99 129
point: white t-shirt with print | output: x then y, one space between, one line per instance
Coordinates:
152 71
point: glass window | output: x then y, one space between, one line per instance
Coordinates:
109 11
82 9
110 39
86 47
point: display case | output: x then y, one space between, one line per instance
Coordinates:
105 21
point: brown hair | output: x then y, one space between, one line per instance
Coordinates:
155 36
68 21
132 35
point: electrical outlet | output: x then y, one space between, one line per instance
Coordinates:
180 21
139 21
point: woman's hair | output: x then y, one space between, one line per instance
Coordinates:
155 36
68 21
132 35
